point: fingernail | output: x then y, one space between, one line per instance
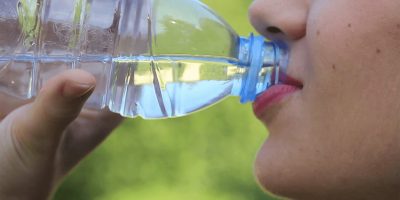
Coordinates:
75 90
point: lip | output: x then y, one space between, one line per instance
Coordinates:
276 94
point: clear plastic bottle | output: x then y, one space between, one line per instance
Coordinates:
152 58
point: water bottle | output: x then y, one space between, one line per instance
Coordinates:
151 58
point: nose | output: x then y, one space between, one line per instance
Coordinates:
280 19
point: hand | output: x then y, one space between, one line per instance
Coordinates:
42 141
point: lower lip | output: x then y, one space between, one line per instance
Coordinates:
272 96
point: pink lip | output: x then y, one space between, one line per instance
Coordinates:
276 94
272 96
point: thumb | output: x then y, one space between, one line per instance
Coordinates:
39 126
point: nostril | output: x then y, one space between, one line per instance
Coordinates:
273 30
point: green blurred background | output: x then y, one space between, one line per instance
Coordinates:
208 155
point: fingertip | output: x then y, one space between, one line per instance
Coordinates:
73 90
41 123
80 76
71 83
62 97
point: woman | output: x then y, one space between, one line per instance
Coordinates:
334 134
337 136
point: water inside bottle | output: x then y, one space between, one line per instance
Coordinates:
156 87
152 87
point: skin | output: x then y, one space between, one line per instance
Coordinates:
41 142
339 136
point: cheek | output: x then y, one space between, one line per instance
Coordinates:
345 128
352 44
354 57
354 75
352 95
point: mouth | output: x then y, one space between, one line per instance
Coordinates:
276 94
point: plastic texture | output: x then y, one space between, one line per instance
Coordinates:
152 58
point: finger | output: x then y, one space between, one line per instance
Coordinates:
84 135
9 103
98 125
40 125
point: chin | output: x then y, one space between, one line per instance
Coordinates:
271 174
286 169
282 171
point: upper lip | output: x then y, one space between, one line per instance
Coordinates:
286 79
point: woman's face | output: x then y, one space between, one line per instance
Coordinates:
339 136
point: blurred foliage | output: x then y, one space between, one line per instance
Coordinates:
191 38
207 155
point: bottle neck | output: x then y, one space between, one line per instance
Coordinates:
264 62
